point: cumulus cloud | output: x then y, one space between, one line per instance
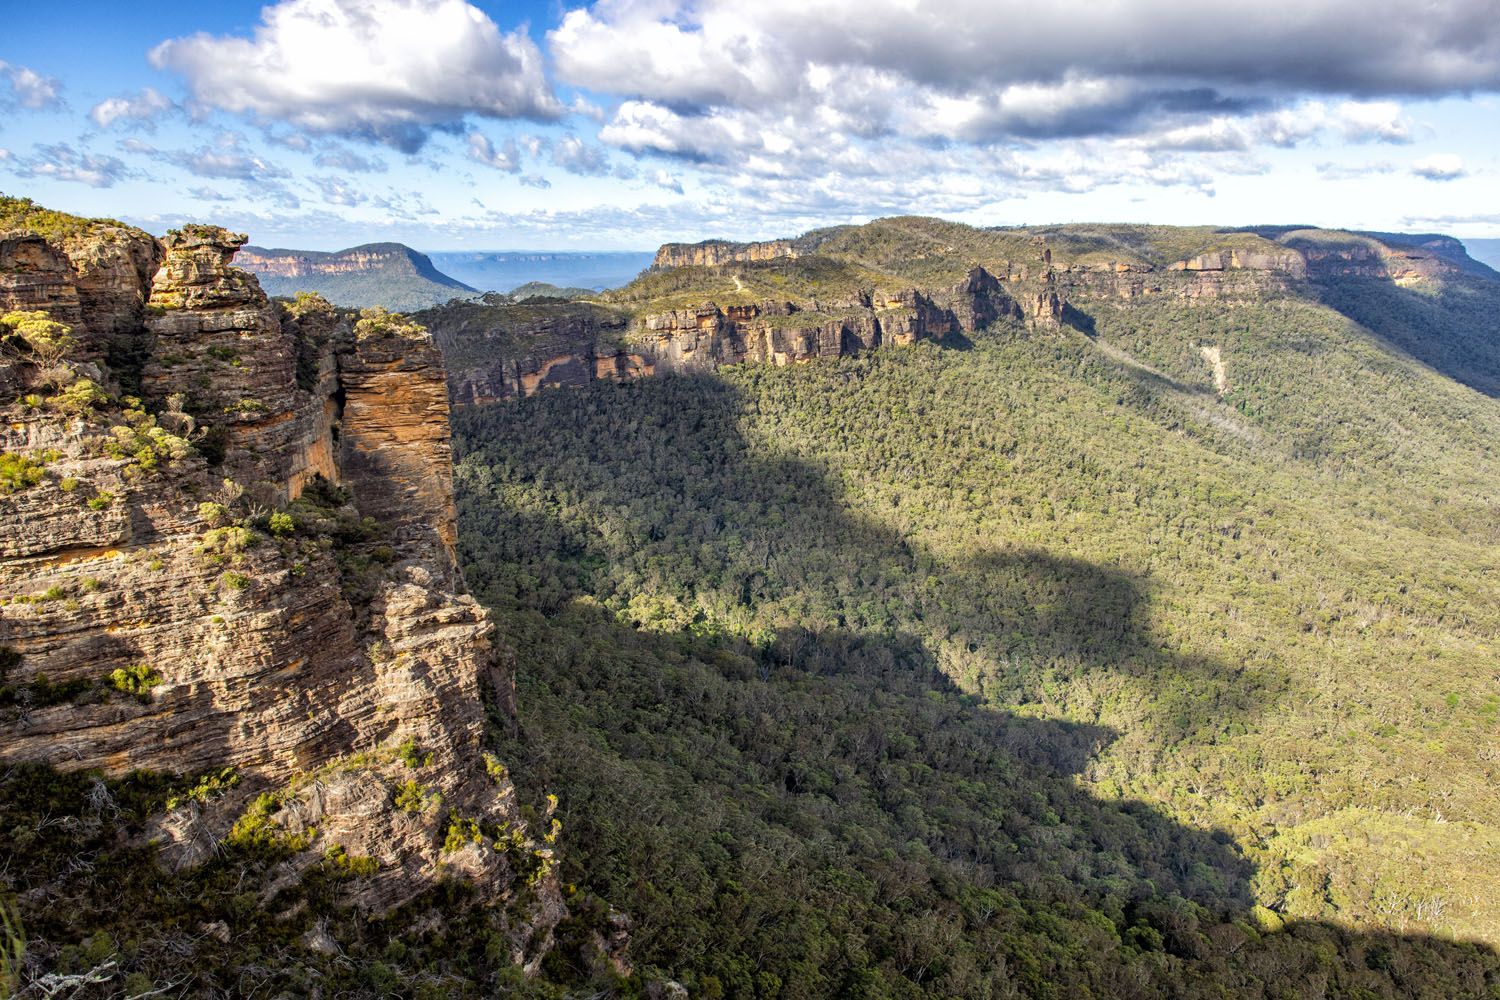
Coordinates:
141 110
227 158
506 158
388 71
578 157
536 181
1440 167
228 164
60 161
727 52
1351 171
990 71
28 89
666 179
337 191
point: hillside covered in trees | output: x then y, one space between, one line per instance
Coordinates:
1150 656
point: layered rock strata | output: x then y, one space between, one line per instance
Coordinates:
709 336
713 253
252 570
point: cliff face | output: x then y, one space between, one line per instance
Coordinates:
508 354
712 253
254 569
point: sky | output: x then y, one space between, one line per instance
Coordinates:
622 124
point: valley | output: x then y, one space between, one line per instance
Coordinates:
892 611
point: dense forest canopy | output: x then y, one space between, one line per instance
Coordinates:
1043 666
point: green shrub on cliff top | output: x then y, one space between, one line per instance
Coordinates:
379 323
25 214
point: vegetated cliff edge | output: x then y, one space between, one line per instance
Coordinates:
852 288
226 541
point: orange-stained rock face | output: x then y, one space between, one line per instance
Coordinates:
396 442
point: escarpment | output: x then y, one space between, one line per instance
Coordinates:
712 253
232 547
496 350
847 289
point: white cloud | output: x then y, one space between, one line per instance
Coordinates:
578 157
1374 121
1440 167
142 109
337 158
986 71
28 88
506 158
389 71
337 191
62 162
726 52
666 179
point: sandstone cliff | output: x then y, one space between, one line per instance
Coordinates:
895 281
712 253
249 566
501 351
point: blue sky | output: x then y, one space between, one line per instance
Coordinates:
320 124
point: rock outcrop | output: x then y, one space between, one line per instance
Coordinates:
253 569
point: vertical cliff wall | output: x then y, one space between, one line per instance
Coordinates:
249 566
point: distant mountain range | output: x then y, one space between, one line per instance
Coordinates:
506 270
397 277
1485 251
386 274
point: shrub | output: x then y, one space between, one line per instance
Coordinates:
101 501
378 322
213 513
79 397
352 865
36 339
411 755
282 524
136 680
19 472
223 545
210 786
461 833
415 798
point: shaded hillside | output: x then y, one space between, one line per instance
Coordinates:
376 274
1067 662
